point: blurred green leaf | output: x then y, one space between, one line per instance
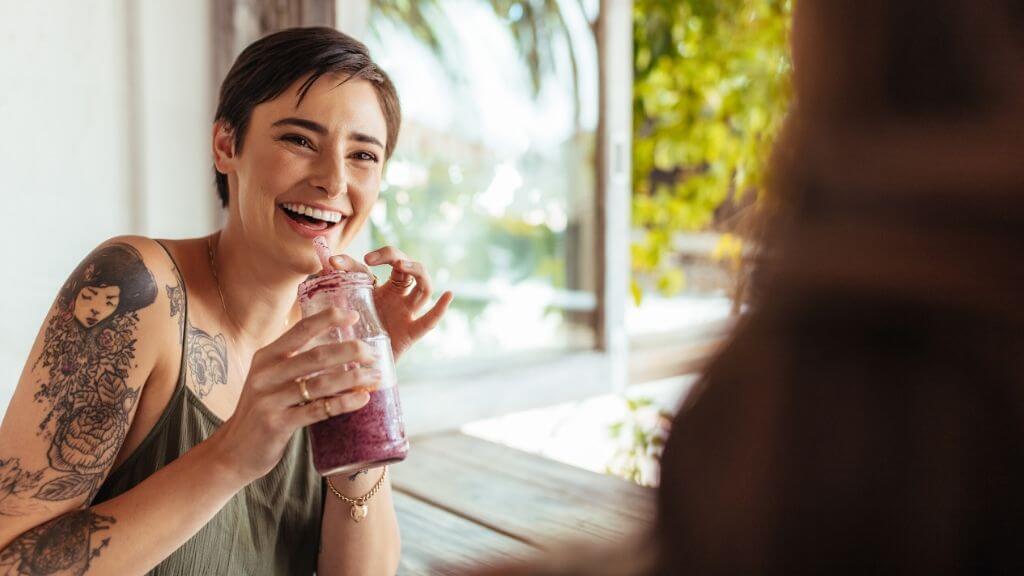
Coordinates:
711 89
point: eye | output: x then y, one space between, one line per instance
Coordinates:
365 156
298 140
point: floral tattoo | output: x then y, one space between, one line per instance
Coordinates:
207 360
16 486
61 546
88 351
206 356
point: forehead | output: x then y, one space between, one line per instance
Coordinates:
338 104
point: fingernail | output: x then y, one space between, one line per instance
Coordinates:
337 260
407 264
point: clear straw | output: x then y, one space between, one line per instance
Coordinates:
323 252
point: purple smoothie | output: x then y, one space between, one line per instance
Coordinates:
372 436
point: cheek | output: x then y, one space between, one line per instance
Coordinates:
275 170
364 190
270 172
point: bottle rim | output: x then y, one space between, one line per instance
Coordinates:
336 279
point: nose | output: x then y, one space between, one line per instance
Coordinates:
330 176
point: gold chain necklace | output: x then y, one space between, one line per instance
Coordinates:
216 282
220 293
224 307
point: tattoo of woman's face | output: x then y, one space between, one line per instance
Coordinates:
96 303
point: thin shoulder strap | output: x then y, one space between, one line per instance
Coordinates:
179 386
179 298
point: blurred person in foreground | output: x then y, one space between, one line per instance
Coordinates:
867 415
159 423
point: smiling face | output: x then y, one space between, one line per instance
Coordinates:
95 303
305 170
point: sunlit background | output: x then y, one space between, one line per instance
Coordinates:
584 175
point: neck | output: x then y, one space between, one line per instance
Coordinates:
268 294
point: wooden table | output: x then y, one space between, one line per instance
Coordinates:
464 503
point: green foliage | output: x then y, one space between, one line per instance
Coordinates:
711 89
641 434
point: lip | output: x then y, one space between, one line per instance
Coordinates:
309 232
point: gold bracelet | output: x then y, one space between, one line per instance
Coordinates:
359 509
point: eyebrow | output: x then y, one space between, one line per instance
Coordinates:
302 123
365 138
322 130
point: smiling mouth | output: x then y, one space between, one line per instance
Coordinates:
313 218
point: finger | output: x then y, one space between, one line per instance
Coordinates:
391 255
428 321
423 287
328 384
305 330
315 411
402 280
325 357
346 263
385 255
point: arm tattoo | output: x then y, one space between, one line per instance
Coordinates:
207 360
61 546
88 350
16 485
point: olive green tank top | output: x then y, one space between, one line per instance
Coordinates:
271 527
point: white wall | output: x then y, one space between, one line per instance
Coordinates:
105 108
178 99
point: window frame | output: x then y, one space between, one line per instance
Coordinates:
445 403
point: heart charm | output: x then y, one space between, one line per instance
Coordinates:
358 512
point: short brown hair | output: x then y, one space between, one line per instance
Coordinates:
267 67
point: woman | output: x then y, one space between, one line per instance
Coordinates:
867 415
159 422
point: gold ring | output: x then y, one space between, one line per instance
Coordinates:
302 390
403 285
327 407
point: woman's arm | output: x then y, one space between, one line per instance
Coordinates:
76 400
135 531
111 325
370 547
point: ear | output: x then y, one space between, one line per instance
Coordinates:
223 147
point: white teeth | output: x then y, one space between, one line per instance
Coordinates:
325 215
